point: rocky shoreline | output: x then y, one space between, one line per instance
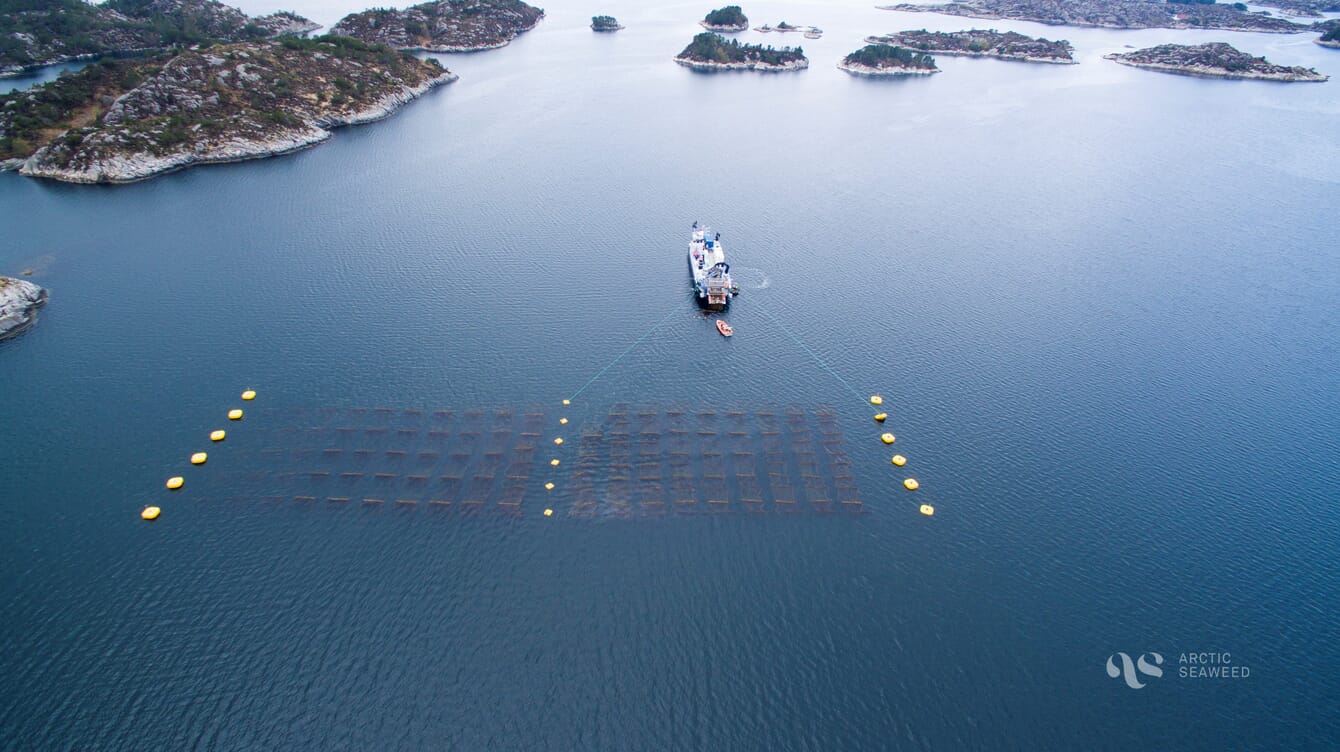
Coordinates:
38 34
726 28
705 67
1324 43
19 301
1212 60
1111 14
859 69
443 25
1203 71
1006 45
137 166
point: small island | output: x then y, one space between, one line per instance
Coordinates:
1330 39
810 32
34 34
709 52
605 23
1113 14
729 18
888 60
1214 60
19 301
443 25
1006 45
123 120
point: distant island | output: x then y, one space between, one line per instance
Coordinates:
19 301
443 25
1215 59
976 43
1113 14
1330 38
888 60
605 23
1302 7
710 52
810 32
36 33
729 18
123 120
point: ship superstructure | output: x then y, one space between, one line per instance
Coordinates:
712 283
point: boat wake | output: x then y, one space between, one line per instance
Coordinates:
751 278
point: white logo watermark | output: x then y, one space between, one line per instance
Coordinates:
1147 664
1206 664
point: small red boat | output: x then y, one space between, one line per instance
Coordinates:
724 328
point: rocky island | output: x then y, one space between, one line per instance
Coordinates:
118 121
1113 14
729 18
605 23
887 60
443 25
1330 39
1312 8
19 301
1216 60
709 52
1006 45
35 33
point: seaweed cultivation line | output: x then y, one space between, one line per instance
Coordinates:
815 356
673 310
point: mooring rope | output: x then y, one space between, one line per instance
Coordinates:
673 310
818 360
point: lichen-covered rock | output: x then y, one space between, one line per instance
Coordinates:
222 104
61 30
19 301
443 25
1214 60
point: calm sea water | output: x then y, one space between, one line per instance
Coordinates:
1100 303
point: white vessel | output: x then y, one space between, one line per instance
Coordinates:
711 274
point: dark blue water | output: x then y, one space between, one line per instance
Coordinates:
1100 304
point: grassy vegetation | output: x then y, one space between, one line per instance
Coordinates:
28 119
348 48
711 48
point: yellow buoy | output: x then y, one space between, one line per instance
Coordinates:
567 402
887 438
199 458
150 513
558 440
880 417
899 460
249 395
927 510
549 486
911 484
234 414
217 435
876 400
554 462
562 421
548 513
175 482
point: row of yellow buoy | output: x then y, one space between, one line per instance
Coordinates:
555 462
176 482
898 460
